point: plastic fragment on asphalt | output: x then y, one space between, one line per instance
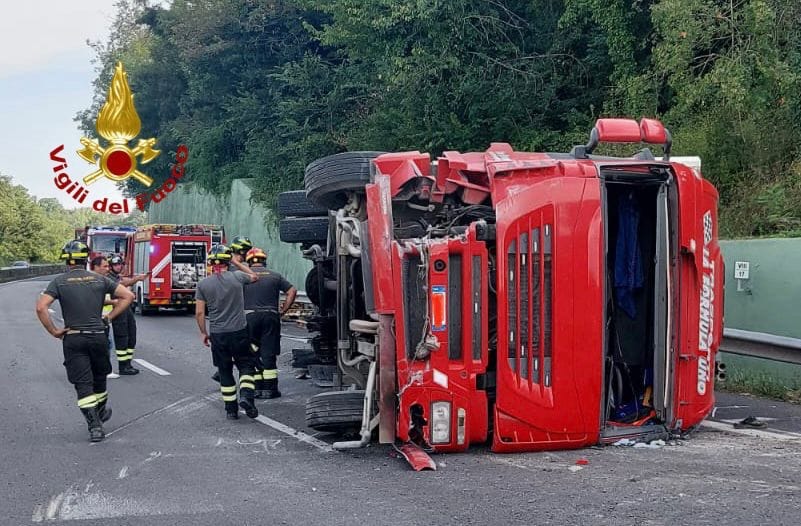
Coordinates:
575 468
416 457
582 462
624 442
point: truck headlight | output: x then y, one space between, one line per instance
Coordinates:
440 422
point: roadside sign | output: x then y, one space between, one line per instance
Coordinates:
741 269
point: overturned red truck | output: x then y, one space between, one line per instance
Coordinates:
530 300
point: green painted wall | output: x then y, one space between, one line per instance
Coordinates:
769 300
186 205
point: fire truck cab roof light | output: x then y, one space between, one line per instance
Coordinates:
440 422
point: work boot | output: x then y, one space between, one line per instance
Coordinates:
271 389
216 376
127 369
231 411
103 411
94 423
249 405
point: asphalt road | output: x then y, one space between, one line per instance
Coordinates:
172 458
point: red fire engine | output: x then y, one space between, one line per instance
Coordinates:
530 300
105 240
175 258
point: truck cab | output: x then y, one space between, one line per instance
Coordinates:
531 301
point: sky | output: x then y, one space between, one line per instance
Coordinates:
45 79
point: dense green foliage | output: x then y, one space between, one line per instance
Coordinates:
35 230
259 88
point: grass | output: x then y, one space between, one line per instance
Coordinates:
760 384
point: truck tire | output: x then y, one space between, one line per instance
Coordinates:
327 180
335 411
296 204
303 229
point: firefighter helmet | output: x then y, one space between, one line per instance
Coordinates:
116 260
75 252
241 244
219 255
256 255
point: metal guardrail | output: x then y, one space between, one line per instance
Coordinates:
15 274
762 345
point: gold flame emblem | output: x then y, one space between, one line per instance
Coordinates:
118 123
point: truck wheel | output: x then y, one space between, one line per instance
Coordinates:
328 179
296 204
335 411
303 229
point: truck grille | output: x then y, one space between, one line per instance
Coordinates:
529 269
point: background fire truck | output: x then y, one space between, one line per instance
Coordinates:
175 257
530 300
105 240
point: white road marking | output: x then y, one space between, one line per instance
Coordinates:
147 415
123 472
53 506
295 339
283 428
38 514
300 435
758 433
148 365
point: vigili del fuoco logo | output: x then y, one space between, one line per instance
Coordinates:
118 123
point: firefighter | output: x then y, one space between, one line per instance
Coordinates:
222 293
239 247
264 318
81 294
124 325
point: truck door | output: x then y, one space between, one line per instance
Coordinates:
700 299
549 310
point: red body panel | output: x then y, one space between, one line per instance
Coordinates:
701 298
542 405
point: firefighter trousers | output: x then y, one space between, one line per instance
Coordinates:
87 364
229 349
124 327
264 329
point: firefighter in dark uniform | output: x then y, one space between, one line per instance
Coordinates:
81 294
228 334
125 324
264 318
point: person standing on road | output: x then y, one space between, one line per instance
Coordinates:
125 325
81 294
239 247
228 335
264 318
99 265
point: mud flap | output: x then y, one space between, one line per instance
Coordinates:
416 457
